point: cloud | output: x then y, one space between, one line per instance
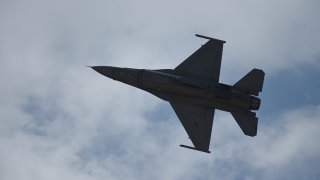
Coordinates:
269 35
145 152
283 148
60 119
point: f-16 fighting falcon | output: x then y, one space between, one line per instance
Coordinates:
194 91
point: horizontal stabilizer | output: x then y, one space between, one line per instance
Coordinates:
251 83
247 122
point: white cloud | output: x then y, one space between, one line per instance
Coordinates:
271 35
144 152
60 119
284 147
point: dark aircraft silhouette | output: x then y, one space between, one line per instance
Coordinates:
194 91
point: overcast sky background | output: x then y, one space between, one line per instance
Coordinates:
61 120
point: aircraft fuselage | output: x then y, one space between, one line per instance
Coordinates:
166 84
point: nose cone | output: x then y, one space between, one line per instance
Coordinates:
105 70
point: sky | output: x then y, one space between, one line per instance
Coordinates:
61 120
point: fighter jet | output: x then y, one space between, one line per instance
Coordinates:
194 91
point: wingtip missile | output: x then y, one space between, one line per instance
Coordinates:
189 147
206 37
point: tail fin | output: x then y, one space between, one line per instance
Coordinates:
247 122
251 83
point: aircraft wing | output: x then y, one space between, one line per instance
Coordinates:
197 121
205 62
